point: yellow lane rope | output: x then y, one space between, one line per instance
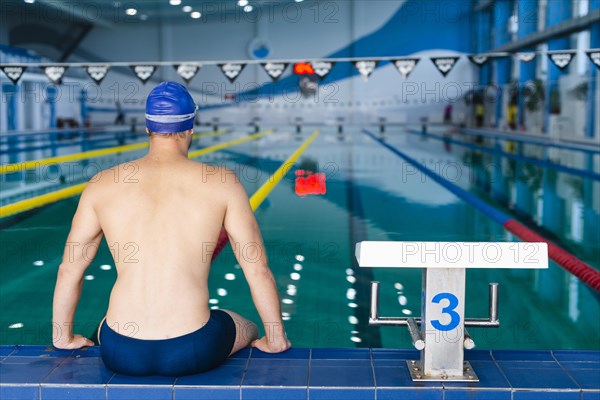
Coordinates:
37 201
209 134
61 194
261 194
221 146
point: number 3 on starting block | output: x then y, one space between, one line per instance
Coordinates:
449 309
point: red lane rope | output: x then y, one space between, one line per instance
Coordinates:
568 261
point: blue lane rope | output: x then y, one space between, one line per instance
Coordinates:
470 198
534 161
539 142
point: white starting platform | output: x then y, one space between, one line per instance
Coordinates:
440 334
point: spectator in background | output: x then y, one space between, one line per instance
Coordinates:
479 114
120 120
448 114
511 115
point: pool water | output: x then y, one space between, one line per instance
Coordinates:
371 195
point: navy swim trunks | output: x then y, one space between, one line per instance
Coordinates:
192 353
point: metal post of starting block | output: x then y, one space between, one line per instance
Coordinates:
443 331
442 336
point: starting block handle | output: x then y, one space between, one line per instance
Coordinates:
491 321
493 306
374 313
415 334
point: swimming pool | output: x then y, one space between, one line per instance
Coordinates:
371 195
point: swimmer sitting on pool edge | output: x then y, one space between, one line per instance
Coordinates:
162 215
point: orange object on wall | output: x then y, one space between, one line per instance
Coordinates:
303 68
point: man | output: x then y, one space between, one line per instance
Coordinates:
479 114
162 215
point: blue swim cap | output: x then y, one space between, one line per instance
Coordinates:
170 109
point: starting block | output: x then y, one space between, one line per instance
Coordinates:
440 334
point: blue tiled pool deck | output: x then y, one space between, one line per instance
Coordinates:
38 372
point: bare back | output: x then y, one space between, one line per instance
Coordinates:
161 221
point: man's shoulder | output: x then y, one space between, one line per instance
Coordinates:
214 174
121 173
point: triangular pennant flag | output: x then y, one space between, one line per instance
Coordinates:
55 73
97 72
322 68
479 59
143 72
406 65
561 60
594 56
444 64
187 72
274 70
526 57
232 70
365 68
13 72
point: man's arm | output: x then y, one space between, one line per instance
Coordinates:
81 247
247 244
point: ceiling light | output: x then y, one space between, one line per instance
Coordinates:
131 11
29 1
298 1
248 8
196 14
174 2
242 3
187 8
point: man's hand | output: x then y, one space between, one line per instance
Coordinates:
272 346
75 342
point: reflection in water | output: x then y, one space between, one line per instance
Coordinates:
308 183
563 206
